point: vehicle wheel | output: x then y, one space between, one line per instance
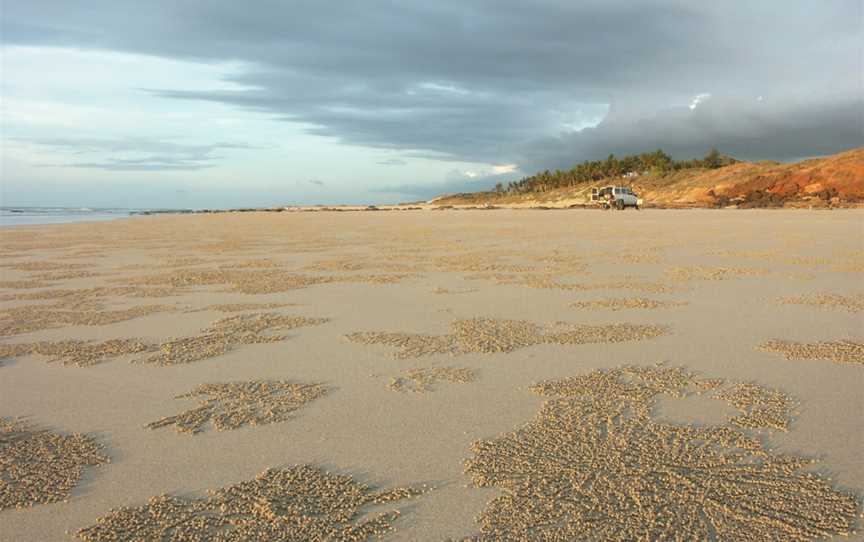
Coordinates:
620 204
636 207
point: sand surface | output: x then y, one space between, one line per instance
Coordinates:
429 356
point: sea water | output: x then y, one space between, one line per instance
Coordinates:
23 216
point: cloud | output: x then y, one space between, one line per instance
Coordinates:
146 154
120 165
504 168
456 182
747 129
492 82
392 162
316 182
699 98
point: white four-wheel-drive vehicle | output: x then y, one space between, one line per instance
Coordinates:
618 197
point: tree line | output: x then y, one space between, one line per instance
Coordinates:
649 163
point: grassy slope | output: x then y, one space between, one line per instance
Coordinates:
833 180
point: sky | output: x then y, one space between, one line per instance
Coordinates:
220 103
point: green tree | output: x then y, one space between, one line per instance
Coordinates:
712 159
612 167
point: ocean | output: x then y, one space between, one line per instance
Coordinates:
25 216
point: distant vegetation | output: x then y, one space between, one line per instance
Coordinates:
653 163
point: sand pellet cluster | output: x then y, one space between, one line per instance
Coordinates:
636 257
850 303
44 266
478 263
775 256
296 504
550 282
626 303
849 267
563 263
338 264
235 404
77 353
383 278
800 275
27 284
245 281
410 345
623 284
65 275
490 336
701 272
837 351
425 379
251 264
849 261
222 337
361 263
226 334
253 281
30 318
759 406
595 465
184 261
444 291
242 307
91 298
38 467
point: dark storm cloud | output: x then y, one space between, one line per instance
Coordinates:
150 154
747 129
507 81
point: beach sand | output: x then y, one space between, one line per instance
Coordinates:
487 374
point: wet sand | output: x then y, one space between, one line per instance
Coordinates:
483 372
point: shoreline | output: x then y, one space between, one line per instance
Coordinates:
393 208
